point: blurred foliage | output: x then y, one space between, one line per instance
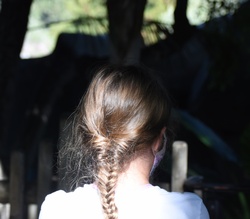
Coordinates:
218 8
153 11
88 25
92 8
156 8
48 18
49 10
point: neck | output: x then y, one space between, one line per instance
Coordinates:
137 173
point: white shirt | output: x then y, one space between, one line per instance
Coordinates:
146 202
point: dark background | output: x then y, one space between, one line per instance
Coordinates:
205 69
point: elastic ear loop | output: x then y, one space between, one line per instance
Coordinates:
164 143
159 155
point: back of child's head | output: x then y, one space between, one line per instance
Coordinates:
121 114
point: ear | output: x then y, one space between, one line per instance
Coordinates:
158 141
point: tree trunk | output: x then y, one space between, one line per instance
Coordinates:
125 22
13 25
182 29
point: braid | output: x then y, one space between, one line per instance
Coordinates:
106 182
106 179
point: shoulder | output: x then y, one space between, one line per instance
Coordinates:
176 205
52 203
61 204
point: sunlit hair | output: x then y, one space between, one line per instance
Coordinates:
121 114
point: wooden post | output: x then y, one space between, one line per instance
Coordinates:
17 185
45 162
179 165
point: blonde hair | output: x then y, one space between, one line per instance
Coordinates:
122 112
